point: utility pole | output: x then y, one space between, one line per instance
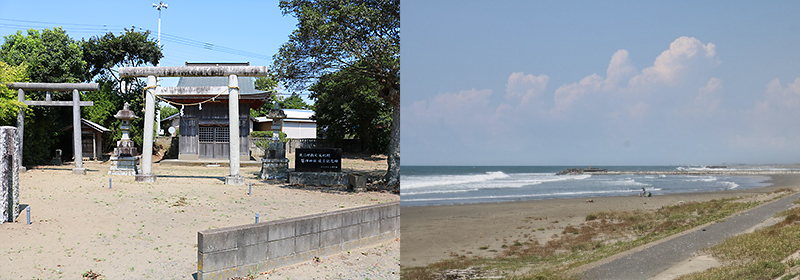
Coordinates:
158 7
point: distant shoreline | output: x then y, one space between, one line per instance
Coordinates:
688 172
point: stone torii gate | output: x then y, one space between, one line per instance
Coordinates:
76 104
232 72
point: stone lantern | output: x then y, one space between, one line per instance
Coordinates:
275 165
124 160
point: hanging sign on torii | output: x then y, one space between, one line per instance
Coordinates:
76 104
232 72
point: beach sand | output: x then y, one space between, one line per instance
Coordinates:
149 230
435 233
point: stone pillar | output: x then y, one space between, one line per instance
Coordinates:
147 147
20 128
9 174
76 134
233 124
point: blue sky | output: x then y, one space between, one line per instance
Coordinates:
600 82
235 31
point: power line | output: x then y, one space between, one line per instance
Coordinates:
90 28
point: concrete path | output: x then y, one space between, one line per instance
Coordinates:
651 261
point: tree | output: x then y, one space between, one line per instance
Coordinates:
347 104
9 105
131 49
333 35
50 56
105 53
269 84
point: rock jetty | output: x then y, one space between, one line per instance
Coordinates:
579 171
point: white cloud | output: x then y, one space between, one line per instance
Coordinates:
708 96
525 89
773 119
462 108
685 57
567 95
620 69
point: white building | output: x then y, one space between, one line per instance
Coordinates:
298 124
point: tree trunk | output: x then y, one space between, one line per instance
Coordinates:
393 159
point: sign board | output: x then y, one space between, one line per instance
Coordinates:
318 160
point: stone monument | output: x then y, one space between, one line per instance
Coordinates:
275 165
9 174
123 162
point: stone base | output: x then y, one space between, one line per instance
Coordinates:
123 166
274 169
145 178
356 183
79 171
318 178
234 180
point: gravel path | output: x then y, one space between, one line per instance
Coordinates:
653 260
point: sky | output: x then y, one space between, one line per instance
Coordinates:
600 82
193 31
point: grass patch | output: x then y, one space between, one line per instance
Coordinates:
758 255
754 271
604 234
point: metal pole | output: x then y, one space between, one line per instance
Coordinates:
158 7
28 209
256 218
76 134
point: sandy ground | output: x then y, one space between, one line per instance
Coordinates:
435 233
149 230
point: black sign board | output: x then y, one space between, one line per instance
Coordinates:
318 160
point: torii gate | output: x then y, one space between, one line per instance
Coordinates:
192 71
76 104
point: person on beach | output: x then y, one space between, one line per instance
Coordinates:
645 193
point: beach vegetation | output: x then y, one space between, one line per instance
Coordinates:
602 235
766 253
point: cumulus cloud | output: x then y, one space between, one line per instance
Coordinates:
773 118
686 56
620 69
675 70
708 96
523 88
452 108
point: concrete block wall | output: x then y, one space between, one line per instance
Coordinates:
237 251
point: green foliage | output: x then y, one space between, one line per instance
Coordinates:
132 49
347 104
334 35
292 102
9 106
167 111
268 84
360 35
51 55
267 134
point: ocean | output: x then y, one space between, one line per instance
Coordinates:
443 185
